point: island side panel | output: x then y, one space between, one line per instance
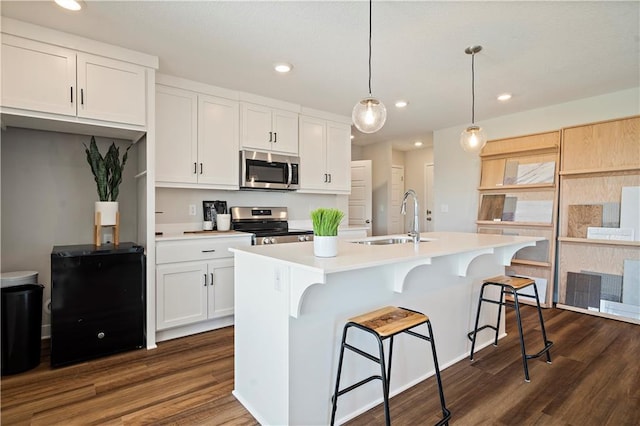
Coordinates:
436 290
262 337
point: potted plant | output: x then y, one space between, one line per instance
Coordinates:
107 172
325 231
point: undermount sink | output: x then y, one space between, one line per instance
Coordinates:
388 241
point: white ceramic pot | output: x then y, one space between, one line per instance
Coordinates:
108 210
325 246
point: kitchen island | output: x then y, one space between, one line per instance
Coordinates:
290 307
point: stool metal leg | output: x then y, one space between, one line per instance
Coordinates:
445 412
337 388
385 382
475 328
519 322
546 343
500 305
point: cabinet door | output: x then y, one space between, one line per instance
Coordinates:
221 288
285 132
111 90
313 174
176 135
218 142
256 127
338 154
181 294
38 76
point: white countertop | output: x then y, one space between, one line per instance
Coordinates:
357 256
173 236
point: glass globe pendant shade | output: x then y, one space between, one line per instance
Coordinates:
369 115
473 139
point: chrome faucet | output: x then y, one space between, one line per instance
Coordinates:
414 233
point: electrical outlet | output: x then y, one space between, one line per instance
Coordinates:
192 209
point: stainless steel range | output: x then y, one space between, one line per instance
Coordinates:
268 224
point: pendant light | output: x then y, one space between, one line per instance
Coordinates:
369 114
473 138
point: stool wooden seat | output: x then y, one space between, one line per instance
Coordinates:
510 285
384 324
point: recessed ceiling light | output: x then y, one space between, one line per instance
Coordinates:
504 97
401 104
417 143
283 67
69 4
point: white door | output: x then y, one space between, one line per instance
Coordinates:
181 293
428 198
285 132
360 199
111 90
218 142
221 288
256 125
338 156
37 76
396 220
176 135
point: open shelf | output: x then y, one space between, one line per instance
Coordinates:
524 187
514 224
530 263
605 171
602 242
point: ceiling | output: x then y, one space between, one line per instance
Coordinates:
543 53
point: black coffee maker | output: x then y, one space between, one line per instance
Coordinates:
211 209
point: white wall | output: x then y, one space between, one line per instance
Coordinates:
174 203
457 173
48 195
380 156
414 178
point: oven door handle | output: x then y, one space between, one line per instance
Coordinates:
290 168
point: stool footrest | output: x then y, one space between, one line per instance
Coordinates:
357 385
363 353
471 333
546 348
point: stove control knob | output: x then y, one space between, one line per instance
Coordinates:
272 240
266 241
307 238
301 238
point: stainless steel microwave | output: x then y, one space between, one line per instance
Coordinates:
264 170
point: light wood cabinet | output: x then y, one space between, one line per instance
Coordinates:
268 129
519 196
196 139
599 246
325 156
44 78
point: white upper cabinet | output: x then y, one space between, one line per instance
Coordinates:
43 78
268 129
218 142
325 156
38 76
111 90
176 135
196 139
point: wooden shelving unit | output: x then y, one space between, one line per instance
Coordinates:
597 161
519 196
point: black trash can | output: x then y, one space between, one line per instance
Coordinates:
21 327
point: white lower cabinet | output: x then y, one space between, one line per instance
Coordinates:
194 291
194 284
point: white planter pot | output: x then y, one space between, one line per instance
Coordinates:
325 246
108 210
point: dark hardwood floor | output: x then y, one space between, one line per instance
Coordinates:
594 380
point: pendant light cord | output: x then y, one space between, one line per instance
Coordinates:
370 2
473 89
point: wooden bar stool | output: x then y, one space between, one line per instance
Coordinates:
384 324
510 286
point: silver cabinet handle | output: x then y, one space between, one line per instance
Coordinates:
195 168
270 136
275 137
209 251
200 168
81 96
205 280
211 278
71 94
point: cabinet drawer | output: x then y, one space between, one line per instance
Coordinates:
203 249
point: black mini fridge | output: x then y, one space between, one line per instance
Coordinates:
97 301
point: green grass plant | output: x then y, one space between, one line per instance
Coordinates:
326 221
